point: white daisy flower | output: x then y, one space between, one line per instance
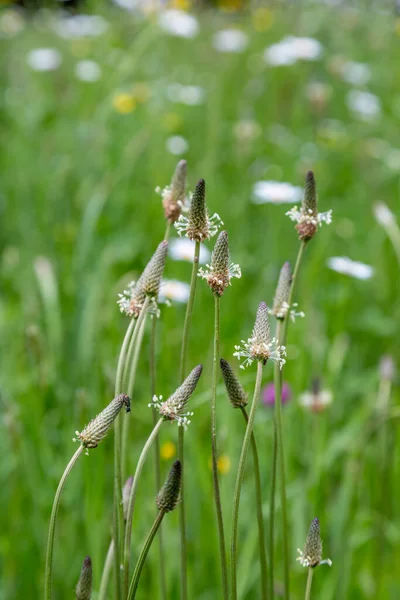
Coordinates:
353 268
178 23
230 40
183 249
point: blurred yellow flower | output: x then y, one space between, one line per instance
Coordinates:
172 121
124 103
141 92
168 450
180 4
224 464
230 5
262 19
397 27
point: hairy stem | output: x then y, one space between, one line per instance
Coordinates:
105 576
143 555
309 583
131 504
52 526
239 479
157 465
217 496
260 522
181 433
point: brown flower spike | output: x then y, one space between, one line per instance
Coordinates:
173 196
237 396
97 428
83 589
219 274
198 225
169 495
308 218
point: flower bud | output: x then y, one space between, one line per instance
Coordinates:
83 589
311 556
198 225
281 306
173 197
236 393
97 428
169 495
150 280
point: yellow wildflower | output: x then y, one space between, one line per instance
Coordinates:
172 121
168 450
124 103
180 4
224 464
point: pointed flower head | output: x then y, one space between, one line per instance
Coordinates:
219 274
83 588
169 495
148 284
311 556
281 308
307 217
260 346
173 409
236 393
126 492
198 225
97 428
173 196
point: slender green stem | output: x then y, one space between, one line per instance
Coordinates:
157 465
309 582
118 511
143 555
240 476
52 526
132 370
167 230
217 496
292 289
272 515
260 522
181 436
105 576
131 504
281 465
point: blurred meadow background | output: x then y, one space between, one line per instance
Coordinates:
97 107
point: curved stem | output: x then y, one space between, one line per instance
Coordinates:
217 496
260 522
52 526
143 555
105 576
309 583
281 461
157 465
131 504
181 433
240 476
117 511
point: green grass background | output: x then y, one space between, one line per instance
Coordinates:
77 187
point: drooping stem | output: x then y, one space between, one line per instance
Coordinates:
117 511
239 479
214 451
260 522
181 433
105 576
143 555
131 503
53 519
309 583
157 465
281 466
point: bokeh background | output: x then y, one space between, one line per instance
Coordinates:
98 105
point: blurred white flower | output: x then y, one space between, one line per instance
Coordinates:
172 289
365 105
318 94
276 192
291 49
80 26
316 401
393 159
192 95
179 23
230 40
356 73
247 130
383 214
87 70
11 23
44 59
183 249
176 144
353 268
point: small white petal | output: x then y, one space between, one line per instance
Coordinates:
176 144
178 23
276 192
172 289
230 40
347 266
87 70
183 249
44 59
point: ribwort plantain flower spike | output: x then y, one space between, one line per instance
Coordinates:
173 408
281 308
260 346
83 589
237 396
173 195
307 217
148 284
126 492
219 274
97 428
169 496
311 555
198 225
